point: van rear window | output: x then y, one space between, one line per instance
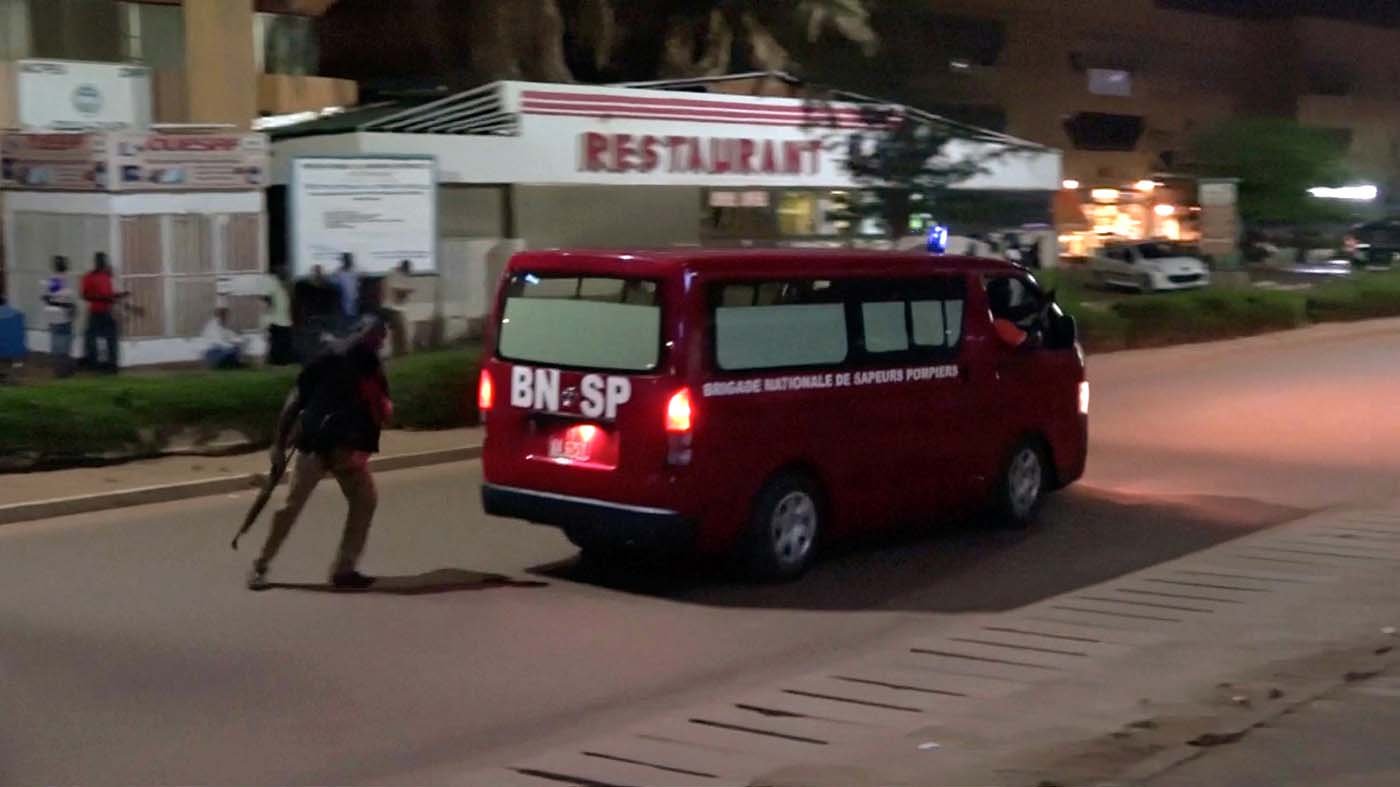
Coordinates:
592 322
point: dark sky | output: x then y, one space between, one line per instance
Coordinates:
1384 12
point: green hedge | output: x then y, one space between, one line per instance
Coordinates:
137 415
1211 314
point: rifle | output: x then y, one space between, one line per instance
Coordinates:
270 482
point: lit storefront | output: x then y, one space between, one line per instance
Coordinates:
1089 218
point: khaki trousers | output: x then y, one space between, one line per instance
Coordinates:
351 471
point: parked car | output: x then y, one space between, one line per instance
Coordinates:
1374 244
766 401
1149 266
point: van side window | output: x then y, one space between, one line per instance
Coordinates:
885 328
775 325
909 316
937 323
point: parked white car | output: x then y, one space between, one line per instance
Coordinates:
1149 266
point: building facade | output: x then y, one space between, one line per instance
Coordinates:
211 61
1122 85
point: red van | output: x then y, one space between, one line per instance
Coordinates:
766 401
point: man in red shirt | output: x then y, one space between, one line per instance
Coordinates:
101 295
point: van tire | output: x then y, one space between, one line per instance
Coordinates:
1020 490
784 528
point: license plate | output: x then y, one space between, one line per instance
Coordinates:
583 444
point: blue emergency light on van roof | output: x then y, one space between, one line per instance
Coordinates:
937 239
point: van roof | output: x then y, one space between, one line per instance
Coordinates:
663 262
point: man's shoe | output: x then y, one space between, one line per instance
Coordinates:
257 578
351 580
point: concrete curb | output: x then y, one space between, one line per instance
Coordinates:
166 493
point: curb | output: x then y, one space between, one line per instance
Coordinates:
186 490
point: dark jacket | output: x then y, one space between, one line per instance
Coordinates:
344 397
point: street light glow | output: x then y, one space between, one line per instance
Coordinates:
1165 210
1070 184
1105 195
1362 193
1146 185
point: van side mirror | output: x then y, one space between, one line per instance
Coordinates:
1062 332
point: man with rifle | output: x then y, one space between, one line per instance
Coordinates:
333 418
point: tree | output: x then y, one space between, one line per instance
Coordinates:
469 42
908 161
1276 161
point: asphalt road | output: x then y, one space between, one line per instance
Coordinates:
130 652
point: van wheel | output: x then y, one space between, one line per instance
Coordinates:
786 522
1022 487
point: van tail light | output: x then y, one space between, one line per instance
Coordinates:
485 392
680 416
1084 397
680 423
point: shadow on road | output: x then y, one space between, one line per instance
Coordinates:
443 580
1085 536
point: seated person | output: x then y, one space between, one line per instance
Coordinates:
1015 311
224 346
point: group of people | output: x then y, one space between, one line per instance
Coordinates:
296 323
98 290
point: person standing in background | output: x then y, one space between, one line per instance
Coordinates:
277 318
348 280
101 296
398 287
316 302
60 305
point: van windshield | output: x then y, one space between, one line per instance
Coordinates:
593 322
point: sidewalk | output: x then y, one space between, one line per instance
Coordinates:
190 472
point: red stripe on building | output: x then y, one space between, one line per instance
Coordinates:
646 101
680 114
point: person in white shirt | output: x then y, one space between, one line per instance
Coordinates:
277 319
60 304
224 346
398 288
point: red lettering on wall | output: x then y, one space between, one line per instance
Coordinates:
792 158
673 152
619 153
594 145
746 151
181 144
623 153
696 160
815 149
649 156
770 163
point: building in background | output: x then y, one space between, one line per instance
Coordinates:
210 61
1122 85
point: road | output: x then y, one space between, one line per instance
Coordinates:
130 653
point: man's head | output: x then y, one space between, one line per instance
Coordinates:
406 267
369 334
99 261
347 261
221 314
60 264
317 272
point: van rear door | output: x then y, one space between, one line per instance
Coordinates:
580 384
